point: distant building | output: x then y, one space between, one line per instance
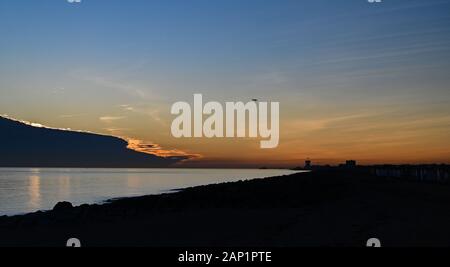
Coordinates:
350 163
308 164
421 173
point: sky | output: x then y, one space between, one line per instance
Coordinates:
355 80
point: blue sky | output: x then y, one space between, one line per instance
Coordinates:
69 65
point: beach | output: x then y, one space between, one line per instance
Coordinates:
332 207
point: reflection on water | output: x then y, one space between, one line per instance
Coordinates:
133 182
34 191
64 187
28 190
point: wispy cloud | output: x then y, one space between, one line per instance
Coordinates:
127 107
153 112
131 88
68 116
109 119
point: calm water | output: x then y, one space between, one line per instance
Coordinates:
29 190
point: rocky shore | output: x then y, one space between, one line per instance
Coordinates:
323 208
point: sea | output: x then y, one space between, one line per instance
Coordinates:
26 190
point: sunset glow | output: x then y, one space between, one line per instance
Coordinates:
378 95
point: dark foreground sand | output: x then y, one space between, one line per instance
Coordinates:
323 208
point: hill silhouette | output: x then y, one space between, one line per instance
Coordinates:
23 145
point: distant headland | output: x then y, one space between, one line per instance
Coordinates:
26 145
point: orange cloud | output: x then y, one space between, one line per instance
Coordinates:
155 149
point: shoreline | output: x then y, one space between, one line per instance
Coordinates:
321 208
164 192
31 190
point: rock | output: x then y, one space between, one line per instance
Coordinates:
29 222
63 206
